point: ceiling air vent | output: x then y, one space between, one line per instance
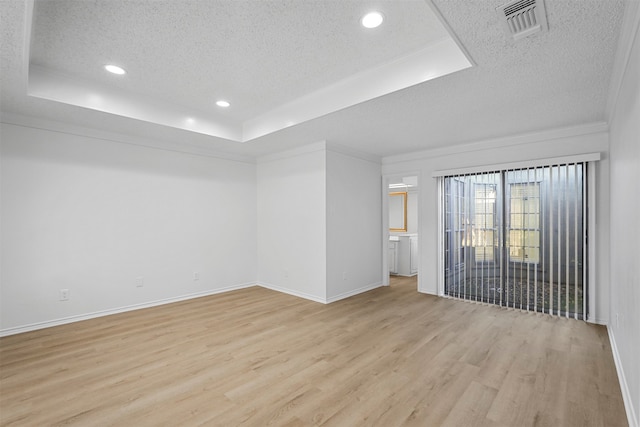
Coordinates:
522 18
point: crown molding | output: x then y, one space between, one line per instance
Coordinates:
319 146
198 149
294 152
341 149
630 24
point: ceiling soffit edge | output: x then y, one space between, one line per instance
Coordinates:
184 146
451 33
438 58
59 87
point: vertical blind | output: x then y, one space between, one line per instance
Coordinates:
517 238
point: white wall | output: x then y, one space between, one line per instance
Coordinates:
292 255
91 215
354 225
624 326
551 144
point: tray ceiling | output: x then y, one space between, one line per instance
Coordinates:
278 63
553 80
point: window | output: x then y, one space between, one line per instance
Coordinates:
524 222
484 222
456 219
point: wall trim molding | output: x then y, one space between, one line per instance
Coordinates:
319 146
341 149
501 142
292 292
598 321
624 386
294 152
102 313
630 27
354 292
427 292
109 136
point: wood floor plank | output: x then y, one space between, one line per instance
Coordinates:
255 357
471 406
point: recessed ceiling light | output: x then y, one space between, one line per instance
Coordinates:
372 19
115 69
222 103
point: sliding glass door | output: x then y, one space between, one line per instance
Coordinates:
516 238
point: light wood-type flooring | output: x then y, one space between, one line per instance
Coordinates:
255 357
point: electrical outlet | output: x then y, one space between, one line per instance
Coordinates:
196 276
64 294
344 275
139 282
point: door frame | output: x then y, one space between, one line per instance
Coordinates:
589 210
386 178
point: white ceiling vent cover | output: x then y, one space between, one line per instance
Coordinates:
522 18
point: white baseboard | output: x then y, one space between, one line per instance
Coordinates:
101 313
292 292
597 321
354 292
624 387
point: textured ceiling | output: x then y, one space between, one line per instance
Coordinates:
554 79
256 54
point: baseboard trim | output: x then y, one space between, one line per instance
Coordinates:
597 321
292 292
101 313
354 292
624 387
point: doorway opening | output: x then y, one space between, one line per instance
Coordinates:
402 246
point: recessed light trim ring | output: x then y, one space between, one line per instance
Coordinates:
372 19
115 69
